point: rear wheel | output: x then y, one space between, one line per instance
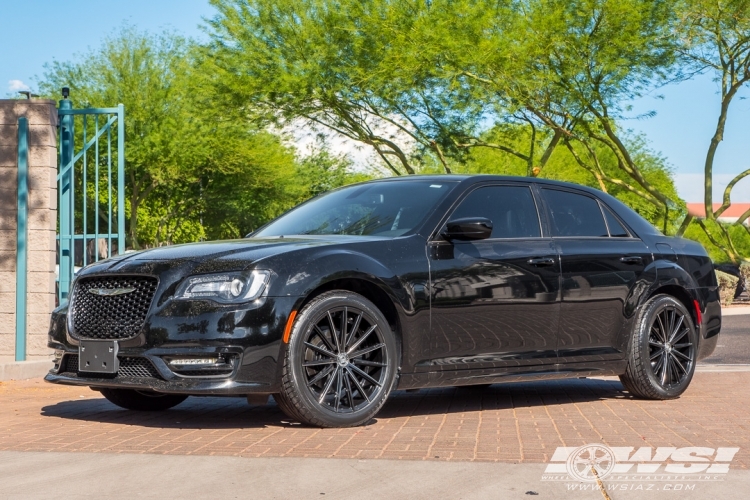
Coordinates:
131 399
340 364
663 350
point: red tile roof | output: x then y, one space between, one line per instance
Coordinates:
734 210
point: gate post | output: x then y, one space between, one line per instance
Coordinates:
28 218
66 197
22 237
120 179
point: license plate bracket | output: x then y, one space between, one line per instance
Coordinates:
98 356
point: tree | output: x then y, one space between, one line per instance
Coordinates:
582 62
715 37
193 169
140 71
421 82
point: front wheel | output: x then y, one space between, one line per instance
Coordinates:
131 399
663 350
340 364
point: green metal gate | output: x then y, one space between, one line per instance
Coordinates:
91 188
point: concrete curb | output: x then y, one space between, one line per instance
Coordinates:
722 368
22 370
735 311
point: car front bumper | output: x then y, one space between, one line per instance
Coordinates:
250 341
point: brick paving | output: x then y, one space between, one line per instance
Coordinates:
522 422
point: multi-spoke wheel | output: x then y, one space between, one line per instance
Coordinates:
663 350
340 363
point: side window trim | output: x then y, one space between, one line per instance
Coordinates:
435 235
604 216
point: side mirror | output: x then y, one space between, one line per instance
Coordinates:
468 228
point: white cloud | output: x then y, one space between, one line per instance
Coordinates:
690 187
17 86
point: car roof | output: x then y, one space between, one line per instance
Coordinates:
636 222
472 178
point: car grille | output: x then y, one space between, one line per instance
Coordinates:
137 367
111 316
130 367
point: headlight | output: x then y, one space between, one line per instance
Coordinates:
226 288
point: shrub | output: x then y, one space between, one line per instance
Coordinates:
727 287
745 272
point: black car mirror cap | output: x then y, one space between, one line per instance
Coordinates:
467 229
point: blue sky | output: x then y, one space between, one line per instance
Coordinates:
33 32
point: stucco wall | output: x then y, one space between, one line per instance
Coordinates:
42 117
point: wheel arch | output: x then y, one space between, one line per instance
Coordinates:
369 290
682 295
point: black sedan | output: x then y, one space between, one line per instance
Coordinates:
398 283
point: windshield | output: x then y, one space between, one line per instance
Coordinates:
373 209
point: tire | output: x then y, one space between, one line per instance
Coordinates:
131 399
661 366
335 380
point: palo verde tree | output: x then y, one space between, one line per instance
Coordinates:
586 62
423 82
715 37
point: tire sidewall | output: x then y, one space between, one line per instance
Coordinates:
303 323
651 310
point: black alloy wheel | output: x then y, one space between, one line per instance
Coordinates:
670 351
340 364
663 350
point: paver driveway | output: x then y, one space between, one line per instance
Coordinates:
521 422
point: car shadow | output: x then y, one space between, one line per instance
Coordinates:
233 413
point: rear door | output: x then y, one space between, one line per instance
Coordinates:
494 302
601 265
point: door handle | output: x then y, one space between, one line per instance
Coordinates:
542 261
631 259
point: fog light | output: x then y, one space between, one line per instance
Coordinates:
194 361
57 359
211 365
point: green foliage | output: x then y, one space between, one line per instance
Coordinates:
324 171
713 37
563 166
194 170
515 87
430 84
717 237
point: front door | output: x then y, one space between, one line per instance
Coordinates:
601 265
494 302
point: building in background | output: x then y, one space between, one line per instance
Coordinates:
730 215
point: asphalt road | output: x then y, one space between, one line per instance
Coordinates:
734 342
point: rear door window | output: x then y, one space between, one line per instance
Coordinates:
574 214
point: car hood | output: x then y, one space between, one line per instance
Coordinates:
217 256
